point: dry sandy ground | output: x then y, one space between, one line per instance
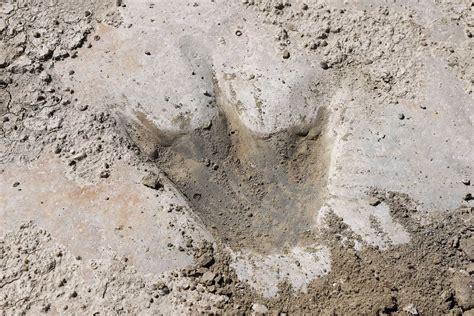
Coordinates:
255 156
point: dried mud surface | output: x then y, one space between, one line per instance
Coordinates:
252 192
431 275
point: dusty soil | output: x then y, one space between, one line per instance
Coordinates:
284 131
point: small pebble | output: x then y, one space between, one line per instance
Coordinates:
286 54
82 107
401 116
79 157
324 65
374 201
45 77
104 174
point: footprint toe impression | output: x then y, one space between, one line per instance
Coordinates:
251 191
